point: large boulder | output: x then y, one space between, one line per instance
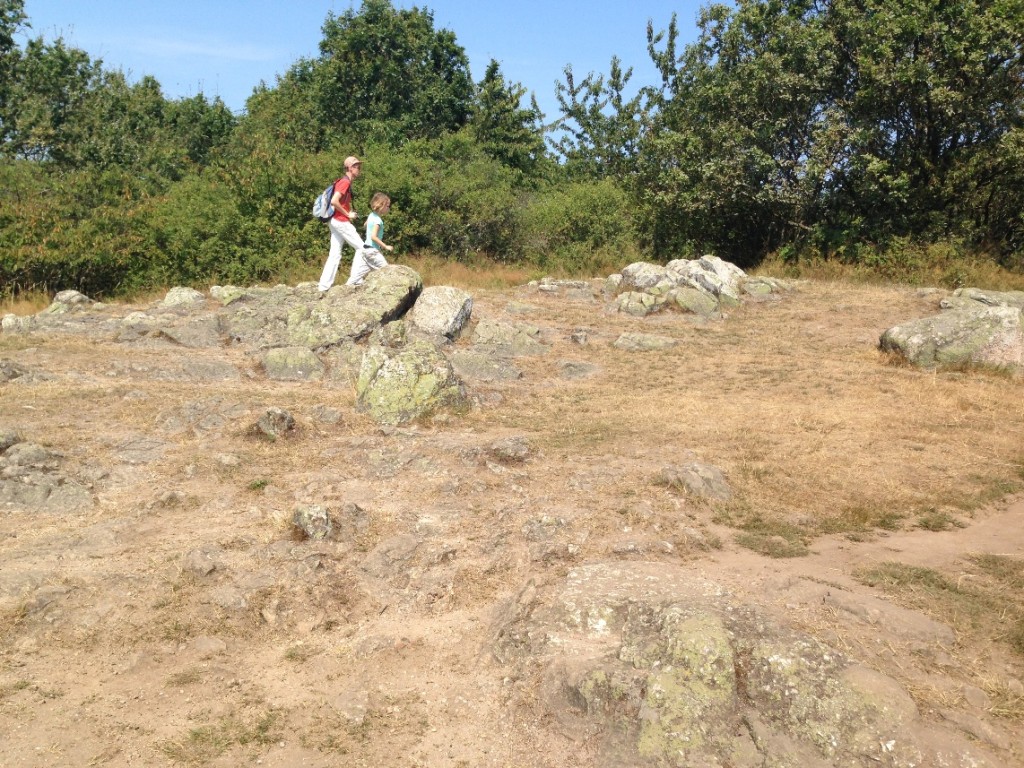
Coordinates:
972 297
660 667
399 385
442 310
354 312
978 335
298 317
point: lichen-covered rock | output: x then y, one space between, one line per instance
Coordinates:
396 386
695 301
226 294
483 367
971 297
442 310
641 276
313 521
981 335
66 301
698 479
354 312
507 340
637 303
12 323
664 668
643 342
292 364
275 423
180 296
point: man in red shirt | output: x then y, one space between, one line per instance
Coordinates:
341 226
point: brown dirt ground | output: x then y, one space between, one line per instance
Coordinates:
297 653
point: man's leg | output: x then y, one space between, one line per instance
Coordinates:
333 257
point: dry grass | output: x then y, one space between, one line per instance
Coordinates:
24 304
932 266
793 401
984 602
470 276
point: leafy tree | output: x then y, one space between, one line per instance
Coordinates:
600 127
47 84
747 130
510 134
835 122
12 17
932 88
386 74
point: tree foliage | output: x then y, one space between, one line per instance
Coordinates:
507 132
863 128
385 74
599 127
835 122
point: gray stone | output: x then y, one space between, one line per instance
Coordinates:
482 366
506 340
398 386
643 342
354 312
442 310
966 297
180 296
638 304
313 521
985 336
510 450
641 276
698 479
275 423
199 333
695 301
292 364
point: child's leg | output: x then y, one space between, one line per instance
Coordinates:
359 268
374 258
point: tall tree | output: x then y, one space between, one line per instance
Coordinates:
599 127
507 132
12 17
746 132
387 74
843 120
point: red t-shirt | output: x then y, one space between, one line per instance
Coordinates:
343 187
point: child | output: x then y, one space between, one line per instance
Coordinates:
370 256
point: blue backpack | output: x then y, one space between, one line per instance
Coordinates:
322 208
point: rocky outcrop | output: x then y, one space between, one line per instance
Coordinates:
664 668
442 311
971 333
703 287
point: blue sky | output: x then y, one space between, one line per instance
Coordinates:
226 47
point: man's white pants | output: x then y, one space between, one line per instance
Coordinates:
341 231
364 261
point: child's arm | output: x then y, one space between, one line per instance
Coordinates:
381 245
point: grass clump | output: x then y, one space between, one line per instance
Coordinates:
773 538
206 743
939 520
